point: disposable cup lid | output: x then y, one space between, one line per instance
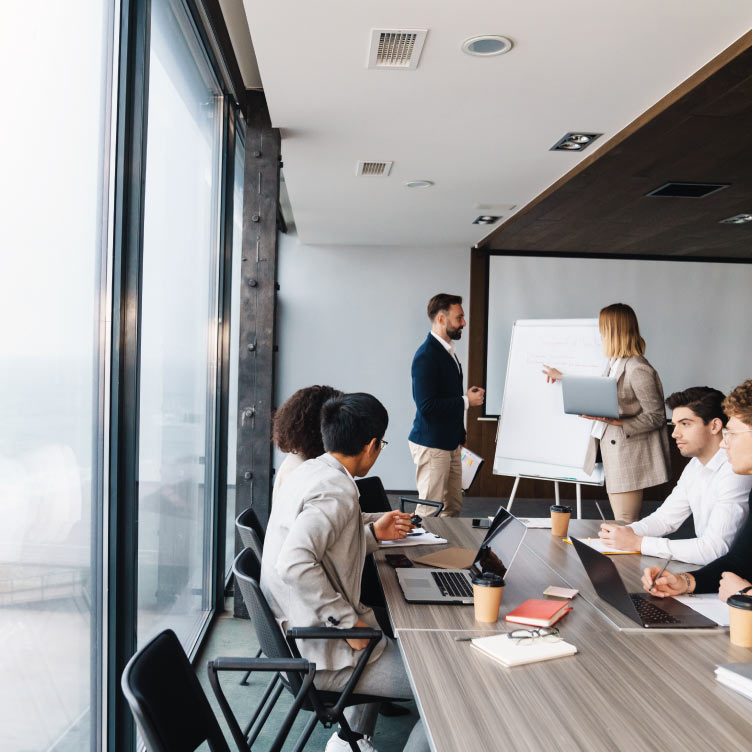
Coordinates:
741 601
488 579
561 508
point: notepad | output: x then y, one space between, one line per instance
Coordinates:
509 652
599 545
419 537
708 605
538 612
736 676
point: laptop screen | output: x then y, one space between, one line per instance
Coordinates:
501 545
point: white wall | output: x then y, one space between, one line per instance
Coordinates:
353 317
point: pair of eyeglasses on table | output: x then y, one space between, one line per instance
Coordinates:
523 636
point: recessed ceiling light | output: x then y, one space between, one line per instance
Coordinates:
737 219
574 141
418 184
486 45
486 219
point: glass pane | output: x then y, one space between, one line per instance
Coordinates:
55 127
232 413
178 332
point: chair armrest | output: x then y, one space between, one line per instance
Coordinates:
306 669
333 633
407 500
258 664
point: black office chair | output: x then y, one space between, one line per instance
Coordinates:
247 521
170 708
327 706
409 500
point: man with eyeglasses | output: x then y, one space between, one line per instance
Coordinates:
708 489
731 573
314 551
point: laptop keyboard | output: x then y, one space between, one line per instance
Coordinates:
453 583
651 613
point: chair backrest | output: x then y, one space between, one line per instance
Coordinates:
166 699
247 571
373 497
248 521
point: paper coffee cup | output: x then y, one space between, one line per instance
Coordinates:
560 519
740 620
487 591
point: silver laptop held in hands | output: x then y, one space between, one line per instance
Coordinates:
455 586
590 395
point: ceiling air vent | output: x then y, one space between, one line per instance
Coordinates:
396 48
687 190
375 169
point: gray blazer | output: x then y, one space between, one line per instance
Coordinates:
635 454
314 552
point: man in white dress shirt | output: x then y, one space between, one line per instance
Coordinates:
708 489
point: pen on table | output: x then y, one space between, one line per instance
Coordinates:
663 569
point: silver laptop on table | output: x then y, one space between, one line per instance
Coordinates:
647 610
455 586
590 395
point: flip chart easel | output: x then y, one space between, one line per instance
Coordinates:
577 484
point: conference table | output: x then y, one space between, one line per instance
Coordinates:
627 688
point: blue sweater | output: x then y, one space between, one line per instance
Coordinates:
437 391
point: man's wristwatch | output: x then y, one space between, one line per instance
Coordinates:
373 531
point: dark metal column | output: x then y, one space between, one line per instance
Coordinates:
258 304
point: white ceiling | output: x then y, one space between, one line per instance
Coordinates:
479 128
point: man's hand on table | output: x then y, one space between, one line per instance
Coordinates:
620 537
392 526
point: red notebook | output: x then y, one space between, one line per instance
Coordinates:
539 613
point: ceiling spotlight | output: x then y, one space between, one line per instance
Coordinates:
737 219
418 184
486 219
486 45
575 141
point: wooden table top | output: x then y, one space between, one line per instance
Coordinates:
624 690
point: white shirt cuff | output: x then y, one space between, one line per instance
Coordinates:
466 401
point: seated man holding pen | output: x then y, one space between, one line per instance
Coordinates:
731 573
315 548
708 489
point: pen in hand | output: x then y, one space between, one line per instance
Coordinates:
600 511
663 569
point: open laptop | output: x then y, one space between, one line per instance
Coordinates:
455 586
590 395
647 610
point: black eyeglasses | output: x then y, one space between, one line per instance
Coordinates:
383 444
527 636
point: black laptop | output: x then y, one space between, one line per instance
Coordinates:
647 610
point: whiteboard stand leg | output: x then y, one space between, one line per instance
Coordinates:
514 491
556 491
579 501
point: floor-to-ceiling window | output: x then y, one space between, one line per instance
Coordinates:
56 60
179 320
232 423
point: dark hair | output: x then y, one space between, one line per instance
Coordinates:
442 302
297 423
703 401
349 422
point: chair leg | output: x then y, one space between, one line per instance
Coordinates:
307 731
267 708
348 732
244 680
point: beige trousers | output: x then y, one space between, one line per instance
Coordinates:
626 506
438 474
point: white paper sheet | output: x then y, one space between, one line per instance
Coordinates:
707 604
599 545
536 522
419 537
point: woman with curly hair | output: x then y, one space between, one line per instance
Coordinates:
297 428
732 573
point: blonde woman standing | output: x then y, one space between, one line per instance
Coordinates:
634 447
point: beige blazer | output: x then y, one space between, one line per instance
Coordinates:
636 454
315 546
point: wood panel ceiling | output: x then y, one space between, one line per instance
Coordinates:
701 133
